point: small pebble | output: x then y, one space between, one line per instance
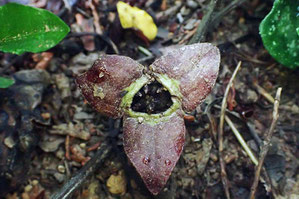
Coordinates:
192 4
9 142
190 24
61 168
60 153
59 177
140 120
295 108
46 116
242 20
229 158
214 157
34 182
83 145
180 18
28 188
185 11
215 176
117 184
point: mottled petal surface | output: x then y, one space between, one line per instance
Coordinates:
154 149
195 67
152 142
102 85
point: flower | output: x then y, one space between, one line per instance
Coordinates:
152 102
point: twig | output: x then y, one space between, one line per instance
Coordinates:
263 92
67 147
144 59
96 18
209 20
213 126
96 22
266 178
212 120
255 136
204 24
267 182
241 140
244 56
218 16
267 142
189 34
145 51
103 37
88 169
220 133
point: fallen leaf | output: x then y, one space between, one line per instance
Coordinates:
133 17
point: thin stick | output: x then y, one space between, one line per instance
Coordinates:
96 22
88 169
204 24
263 92
144 59
103 37
225 181
223 12
267 142
96 18
241 140
253 133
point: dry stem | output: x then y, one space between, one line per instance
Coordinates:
204 24
241 140
263 92
96 22
267 142
225 181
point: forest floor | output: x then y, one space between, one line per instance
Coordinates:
48 131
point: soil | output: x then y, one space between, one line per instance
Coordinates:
48 131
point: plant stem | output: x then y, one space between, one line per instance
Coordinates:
204 24
225 181
241 140
267 142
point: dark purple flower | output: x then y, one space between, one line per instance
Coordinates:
152 101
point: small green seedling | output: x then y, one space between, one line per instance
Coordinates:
28 29
280 32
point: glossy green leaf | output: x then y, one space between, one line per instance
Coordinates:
280 32
5 82
28 29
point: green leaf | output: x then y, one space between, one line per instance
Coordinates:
28 29
5 82
280 32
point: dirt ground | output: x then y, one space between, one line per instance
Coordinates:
48 131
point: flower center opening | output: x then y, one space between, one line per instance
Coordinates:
152 98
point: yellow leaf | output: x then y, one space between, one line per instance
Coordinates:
133 17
